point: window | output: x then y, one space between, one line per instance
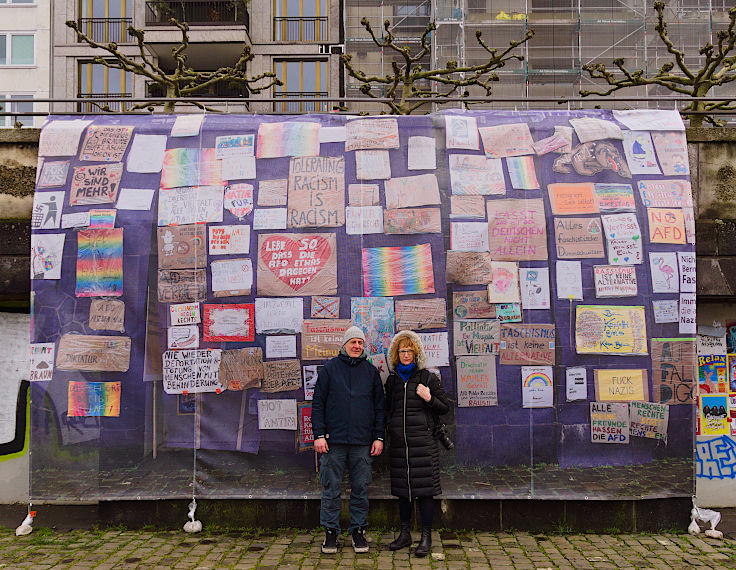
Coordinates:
106 20
300 20
16 49
16 104
99 82
301 79
6 2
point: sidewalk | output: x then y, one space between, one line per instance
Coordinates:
112 548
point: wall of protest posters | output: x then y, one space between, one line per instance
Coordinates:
190 278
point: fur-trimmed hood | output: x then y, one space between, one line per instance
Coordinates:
394 348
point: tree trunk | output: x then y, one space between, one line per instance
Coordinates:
170 106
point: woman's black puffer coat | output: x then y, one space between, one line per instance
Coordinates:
413 452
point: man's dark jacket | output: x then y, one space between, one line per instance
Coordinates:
348 402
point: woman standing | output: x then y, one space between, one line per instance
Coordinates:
413 395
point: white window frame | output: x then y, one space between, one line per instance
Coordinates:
11 4
9 46
7 102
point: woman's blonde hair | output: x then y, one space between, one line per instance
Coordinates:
394 352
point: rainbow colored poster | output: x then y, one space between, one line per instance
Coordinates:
94 399
296 138
100 263
190 167
536 386
389 271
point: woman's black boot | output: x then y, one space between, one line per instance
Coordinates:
403 540
425 543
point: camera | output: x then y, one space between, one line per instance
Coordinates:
441 434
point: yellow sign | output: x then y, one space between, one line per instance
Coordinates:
621 385
610 329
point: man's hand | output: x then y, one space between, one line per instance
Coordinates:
376 448
320 445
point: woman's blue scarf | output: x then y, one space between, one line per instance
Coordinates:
405 370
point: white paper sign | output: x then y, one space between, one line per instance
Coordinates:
592 129
537 390
436 348
277 414
269 219
235 145
421 153
238 167
365 220
688 324
61 138
46 254
372 165
135 199
639 151
663 269
46 213
665 311
624 251
569 280
186 336
190 205
472 174
281 346
469 236
228 240
534 282
279 315
238 200
686 263
75 220
332 134
381 364
191 371
42 362
711 345
232 275
577 384
187 125
621 226
309 374
185 314
146 154
650 120
461 132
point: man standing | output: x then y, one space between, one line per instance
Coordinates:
347 418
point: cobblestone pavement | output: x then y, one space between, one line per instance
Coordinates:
112 548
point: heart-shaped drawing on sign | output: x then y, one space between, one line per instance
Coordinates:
295 263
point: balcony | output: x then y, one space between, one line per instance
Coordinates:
220 89
197 13
106 30
297 106
296 29
117 106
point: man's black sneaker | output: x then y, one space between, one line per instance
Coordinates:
329 546
360 544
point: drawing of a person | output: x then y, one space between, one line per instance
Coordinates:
51 211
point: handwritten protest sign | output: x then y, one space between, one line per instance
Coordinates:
609 422
53 173
184 314
412 191
241 368
363 220
297 264
577 384
306 432
614 197
666 193
277 414
472 305
182 285
238 168
316 194
235 145
283 346
614 281
191 371
106 315
609 329
275 316
621 385
185 167
238 200
95 184
517 230
229 240
461 132
625 251
185 336
187 125
41 361
88 399
672 152
61 138
272 192
472 174
569 280
182 247
508 312
468 267
688 324
234 322
527 344
323 339
190 205
389 271
534 283
421 314
372 165
325 307
573 198
674 370
232 277
436 348
621 226
93 353
105 143
476 337
504 285
281 376
593 129
467 207
507 140
537 387
363 195
412 221
577 238
469 236
269 219
421 154
372 133
476 381
666 225
708 344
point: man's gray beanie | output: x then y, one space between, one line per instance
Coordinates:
353 332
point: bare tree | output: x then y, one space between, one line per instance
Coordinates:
183 81
409 80
719 68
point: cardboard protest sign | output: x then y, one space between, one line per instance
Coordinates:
521 172
363 220
621 385
476 381
472 174
372 165
577 384
46 214
461 132
325 307
182 285
93 353
95 184
534 283
672 152
507 140
184 314
293 138
469 236
89 399
41 361
272 192
610 329
277 414
412 221
363 195
527 344
614 281
572 198
323 339
467 207
412 191
375 317
275 316
421 314
281 376
686 264
468 267
421 154
436 348
100 263
291 265
389 271
53 174
107 315
372 133
232 277
472 305
182 247
61 138
674 370
283 346
666 193
577 238
306 433
105 143
228 240
241 368
316 194
238 200
234 322
639 152
189 205
504 285
517 230
614 197
666 225
609 422
191 371
476 337
185 336
185 167
537 387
